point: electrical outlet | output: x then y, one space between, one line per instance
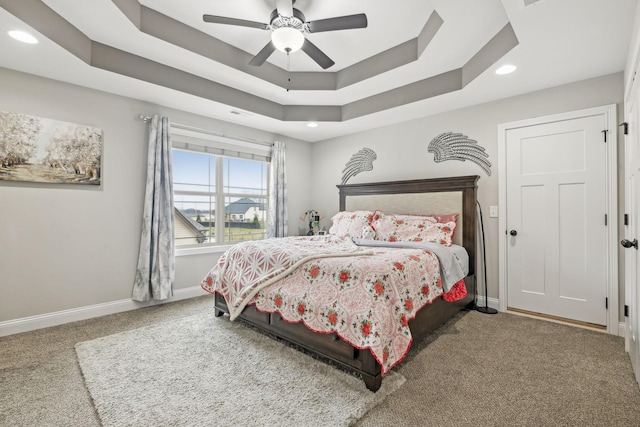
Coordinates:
493 211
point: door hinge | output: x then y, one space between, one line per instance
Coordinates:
606 303
625 128
626 310
605 132
606 219
626 219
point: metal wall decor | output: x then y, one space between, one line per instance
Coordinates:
456 146
360 162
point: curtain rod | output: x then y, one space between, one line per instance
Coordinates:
211 132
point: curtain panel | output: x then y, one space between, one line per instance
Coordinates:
155 274
278 223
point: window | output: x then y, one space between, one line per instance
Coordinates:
220 195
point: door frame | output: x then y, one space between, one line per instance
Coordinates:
609 111
631 322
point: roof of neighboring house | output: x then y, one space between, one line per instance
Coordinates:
199 229
241 206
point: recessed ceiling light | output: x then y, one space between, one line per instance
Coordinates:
506 69
312 125
240 113
23 37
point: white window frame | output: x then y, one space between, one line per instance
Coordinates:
219 145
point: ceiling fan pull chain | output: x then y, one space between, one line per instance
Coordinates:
288 70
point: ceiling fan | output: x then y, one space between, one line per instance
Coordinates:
288 25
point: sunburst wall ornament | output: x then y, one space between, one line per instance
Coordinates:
456 146
360 162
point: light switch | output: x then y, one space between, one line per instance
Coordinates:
493 211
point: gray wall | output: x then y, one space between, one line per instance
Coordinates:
402 149
66 247
63 246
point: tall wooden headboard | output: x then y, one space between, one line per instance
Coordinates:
436 196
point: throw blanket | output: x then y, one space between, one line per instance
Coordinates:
249 266
454 260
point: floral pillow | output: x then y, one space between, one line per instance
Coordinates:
351 224
409 228
432 218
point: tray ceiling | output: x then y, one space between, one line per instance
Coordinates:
420 59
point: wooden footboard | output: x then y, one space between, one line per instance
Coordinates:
325 346
331 347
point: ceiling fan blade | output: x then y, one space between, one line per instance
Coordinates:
233 21
263 54
316 54
340 23
285 7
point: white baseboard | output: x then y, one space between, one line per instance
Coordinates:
46 320
495 303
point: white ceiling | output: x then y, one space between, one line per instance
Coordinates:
559 41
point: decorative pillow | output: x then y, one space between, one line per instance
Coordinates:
437 232
368 233
432 218
350 223
384 225
410 228
446 218
442 219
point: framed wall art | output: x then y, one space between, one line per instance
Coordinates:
36 149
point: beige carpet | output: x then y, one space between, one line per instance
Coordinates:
509 370
202 370
502 370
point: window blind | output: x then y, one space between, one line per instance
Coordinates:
219 145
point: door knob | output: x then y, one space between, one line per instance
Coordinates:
513 232
629 244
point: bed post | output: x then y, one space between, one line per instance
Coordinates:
469 197
371 372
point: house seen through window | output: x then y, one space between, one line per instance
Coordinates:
218 199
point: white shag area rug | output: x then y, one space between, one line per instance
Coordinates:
202 370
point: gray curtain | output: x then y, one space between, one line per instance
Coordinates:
156 262
277 225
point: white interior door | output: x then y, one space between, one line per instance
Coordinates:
556 206
632 209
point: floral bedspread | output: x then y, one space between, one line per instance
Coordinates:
366 300
249 266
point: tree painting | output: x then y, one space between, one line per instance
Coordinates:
36 149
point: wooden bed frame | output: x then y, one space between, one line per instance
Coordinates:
330 346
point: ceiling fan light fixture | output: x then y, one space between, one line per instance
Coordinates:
287 39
